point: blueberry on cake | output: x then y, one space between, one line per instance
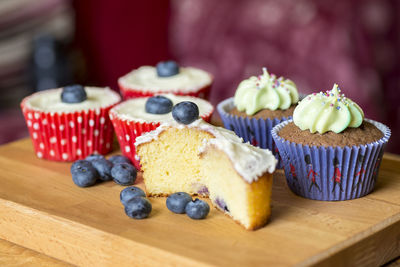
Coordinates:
166 77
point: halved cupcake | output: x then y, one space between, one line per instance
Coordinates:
136 116
166 78
70 123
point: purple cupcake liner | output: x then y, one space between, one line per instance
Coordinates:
331 173
255 131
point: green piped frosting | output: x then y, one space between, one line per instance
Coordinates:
265 92
329 111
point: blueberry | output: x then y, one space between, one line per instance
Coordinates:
119 159
123 173
177 202
103 167
73 94
94 156
185 112
83 173
158 105
138 208
197 209
129 193
167 68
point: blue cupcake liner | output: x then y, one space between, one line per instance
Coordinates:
331 173
255 131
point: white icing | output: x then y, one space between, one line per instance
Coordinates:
145 79
134 109
50 100
249 161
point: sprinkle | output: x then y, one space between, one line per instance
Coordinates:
331 104
337 107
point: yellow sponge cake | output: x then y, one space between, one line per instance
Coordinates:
206 160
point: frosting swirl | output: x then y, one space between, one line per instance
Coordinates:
329 111
265 92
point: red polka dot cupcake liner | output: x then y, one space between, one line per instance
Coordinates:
128 93
69 136
128 129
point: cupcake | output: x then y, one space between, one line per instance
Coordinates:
166 78
134 117
70 123
329 151
259 104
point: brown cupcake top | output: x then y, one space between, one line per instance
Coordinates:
366 133
265 113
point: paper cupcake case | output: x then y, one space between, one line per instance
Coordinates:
128 93
69 136
127 131
331 173
255 131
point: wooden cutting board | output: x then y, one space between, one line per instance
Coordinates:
41 209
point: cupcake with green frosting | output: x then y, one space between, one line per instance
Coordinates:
329 150
260 103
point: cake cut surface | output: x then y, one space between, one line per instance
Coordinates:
209 161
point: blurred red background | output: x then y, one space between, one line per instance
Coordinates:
314 43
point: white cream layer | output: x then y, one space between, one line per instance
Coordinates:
146 79
134 109
50 100
249 161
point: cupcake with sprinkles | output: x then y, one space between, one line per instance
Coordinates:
260 103
70 123
329 150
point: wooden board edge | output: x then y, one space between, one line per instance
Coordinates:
374 247
14 255
77 243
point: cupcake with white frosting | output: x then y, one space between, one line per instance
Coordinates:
70 123
166 78
329 150
134 117
260 103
